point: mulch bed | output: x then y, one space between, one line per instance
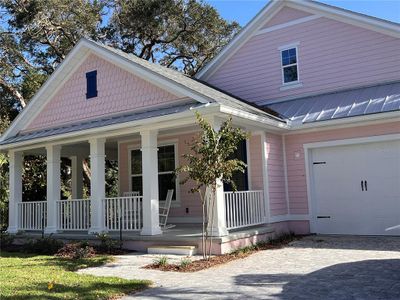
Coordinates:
201 264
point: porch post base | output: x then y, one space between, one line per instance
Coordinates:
12 230
50 229
151 231
217 231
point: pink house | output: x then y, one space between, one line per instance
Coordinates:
318 88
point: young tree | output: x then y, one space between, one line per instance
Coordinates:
210 162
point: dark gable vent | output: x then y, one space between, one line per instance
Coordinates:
91 84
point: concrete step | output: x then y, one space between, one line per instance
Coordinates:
177 250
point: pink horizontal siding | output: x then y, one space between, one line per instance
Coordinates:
118 91
276 175
286 14
297 184
332 55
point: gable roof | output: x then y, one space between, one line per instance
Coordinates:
171 80
317 8
363 101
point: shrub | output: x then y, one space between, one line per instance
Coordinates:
76 251
185 262
161 261
107 244
6 240
45 245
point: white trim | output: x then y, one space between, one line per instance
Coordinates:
264 158
248 157
294 217
285 173
292 85
308 164
313 7
287 24
295 83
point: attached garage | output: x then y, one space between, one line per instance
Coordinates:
355 188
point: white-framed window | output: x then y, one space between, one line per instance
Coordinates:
167 163
290 64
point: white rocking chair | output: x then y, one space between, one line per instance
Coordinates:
164 211
131 194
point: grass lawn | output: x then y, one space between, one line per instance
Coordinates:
28 276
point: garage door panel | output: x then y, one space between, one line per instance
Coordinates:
373 208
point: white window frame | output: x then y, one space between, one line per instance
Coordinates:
291 83
175 202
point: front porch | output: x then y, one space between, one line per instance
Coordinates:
146 161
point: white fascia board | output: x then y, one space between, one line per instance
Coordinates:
264 120
47 90
346 16
263 16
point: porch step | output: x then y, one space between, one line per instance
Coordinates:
177 250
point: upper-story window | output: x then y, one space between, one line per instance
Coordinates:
290 70
91 84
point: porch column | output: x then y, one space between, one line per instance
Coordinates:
151 222
15 186
216 225
97 184
77 176
265 176
53 185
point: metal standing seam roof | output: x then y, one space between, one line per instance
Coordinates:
343 104
101 122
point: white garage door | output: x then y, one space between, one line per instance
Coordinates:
356 189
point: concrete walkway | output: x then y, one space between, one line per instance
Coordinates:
312 268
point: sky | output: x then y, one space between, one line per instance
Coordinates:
243 11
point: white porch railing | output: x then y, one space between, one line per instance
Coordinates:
123 213
73 214
32 215
244 208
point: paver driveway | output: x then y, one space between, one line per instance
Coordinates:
314 267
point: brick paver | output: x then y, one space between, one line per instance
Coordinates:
312 268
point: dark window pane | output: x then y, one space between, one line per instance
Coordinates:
91 84
137 184
239 178
285 61
292 52
166 182
292 59
166 158
289 74
136 162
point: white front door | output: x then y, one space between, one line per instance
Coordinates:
356 189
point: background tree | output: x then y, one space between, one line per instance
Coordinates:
36 35
209 162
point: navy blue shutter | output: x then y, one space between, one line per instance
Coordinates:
91 84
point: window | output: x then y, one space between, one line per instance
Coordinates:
239 178
91 84
166 167
289 65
